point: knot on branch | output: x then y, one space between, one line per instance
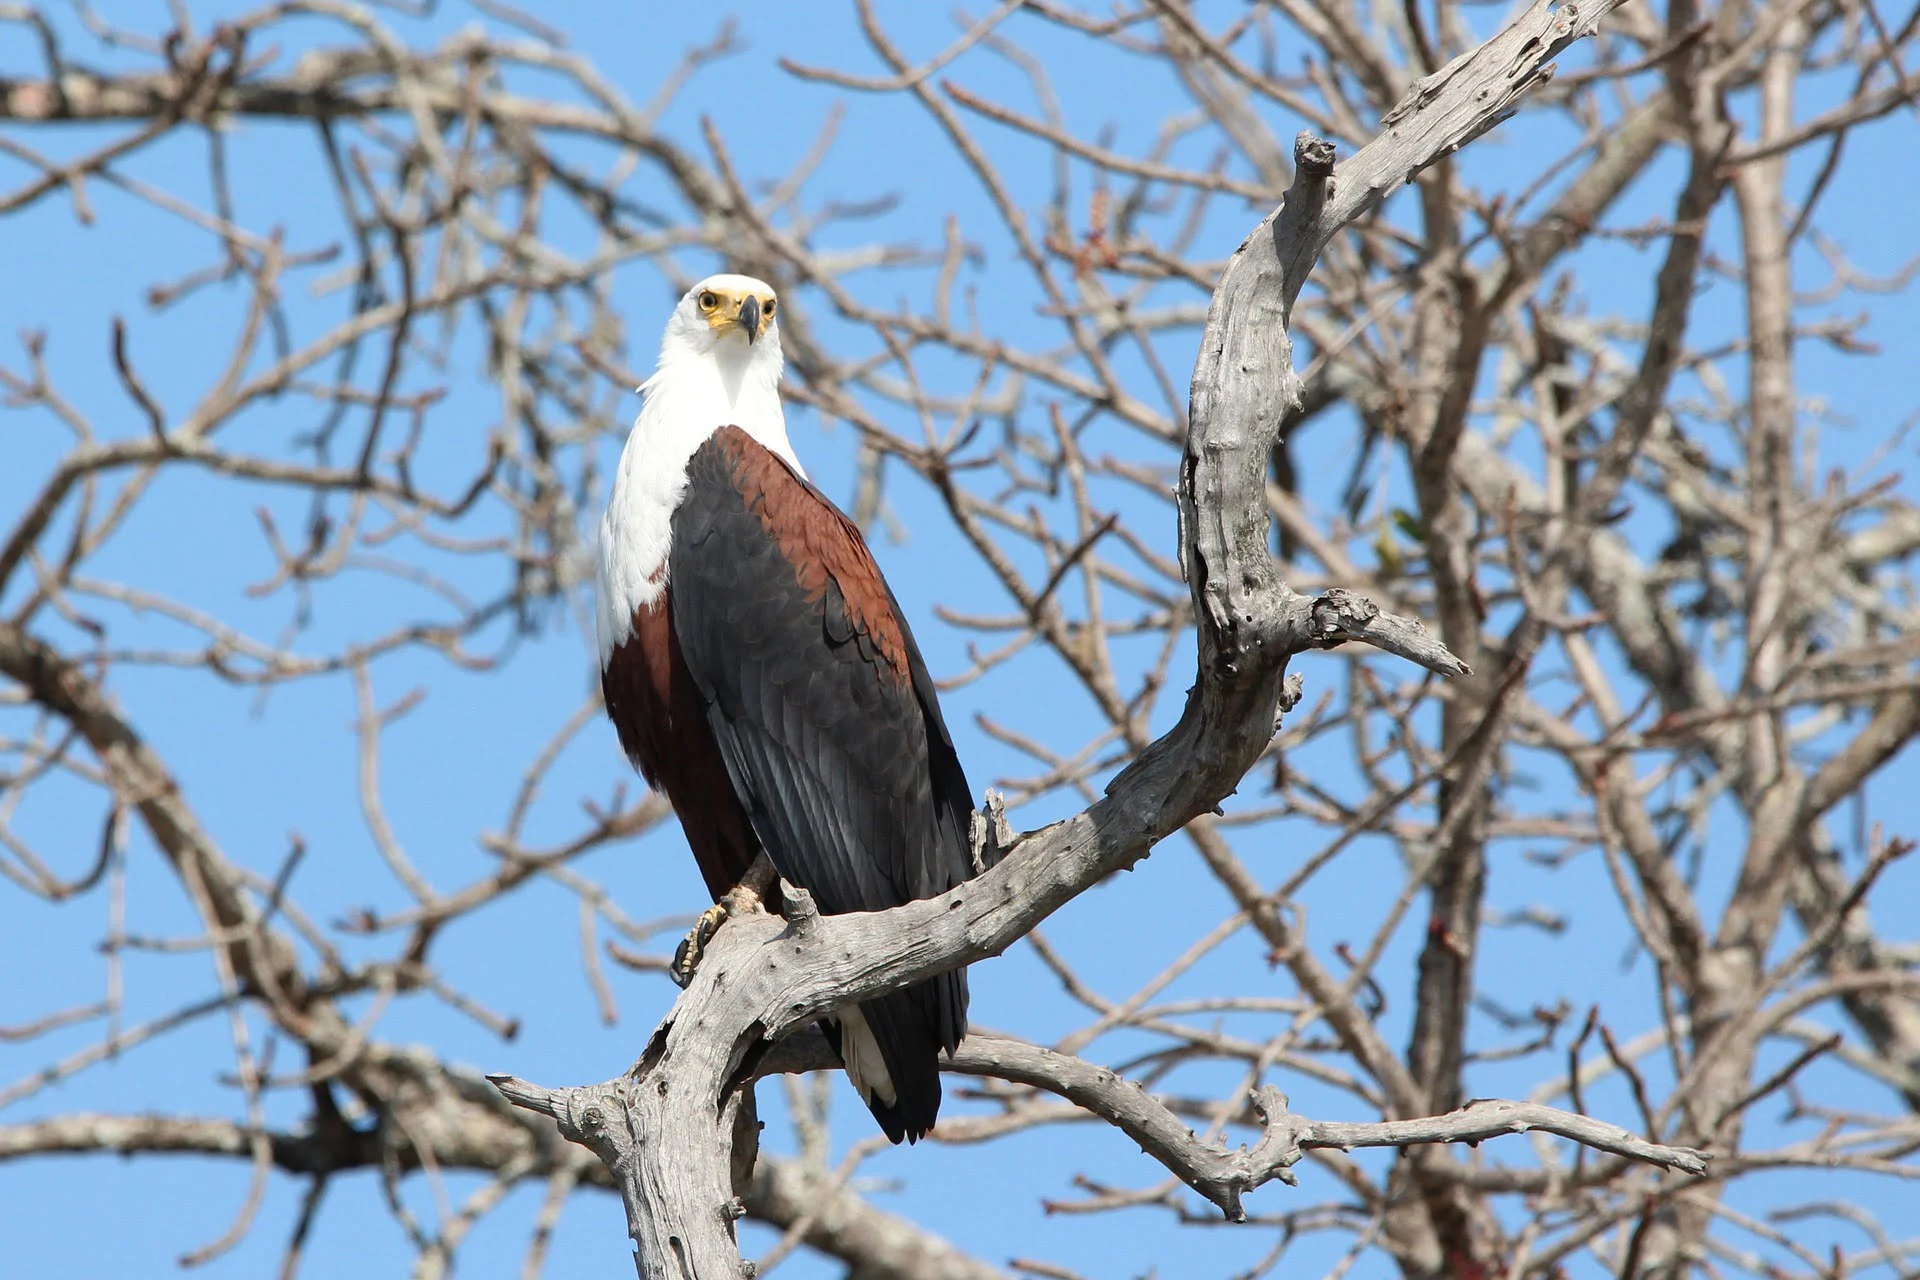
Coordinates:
1329 620
1273 1156
1341 615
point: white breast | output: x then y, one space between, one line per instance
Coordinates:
691 396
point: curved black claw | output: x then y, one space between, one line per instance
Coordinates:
686 956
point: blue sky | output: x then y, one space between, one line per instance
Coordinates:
450 766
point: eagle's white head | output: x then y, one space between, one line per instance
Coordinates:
719 366
725 309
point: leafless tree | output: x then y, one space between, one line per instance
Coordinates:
1668 649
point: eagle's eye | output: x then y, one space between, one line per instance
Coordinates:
767 310
708 300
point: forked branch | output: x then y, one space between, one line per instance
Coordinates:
664 1128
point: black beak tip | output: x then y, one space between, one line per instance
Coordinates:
750 317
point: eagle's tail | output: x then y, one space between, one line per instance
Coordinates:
891 1046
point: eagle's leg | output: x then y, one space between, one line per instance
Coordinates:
743 899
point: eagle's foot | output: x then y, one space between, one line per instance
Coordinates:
743 899
686 956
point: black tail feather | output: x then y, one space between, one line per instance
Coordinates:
912 1026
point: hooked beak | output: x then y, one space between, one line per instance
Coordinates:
750 317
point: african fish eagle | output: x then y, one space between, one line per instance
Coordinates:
760 672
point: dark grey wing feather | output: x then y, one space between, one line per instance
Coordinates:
841 759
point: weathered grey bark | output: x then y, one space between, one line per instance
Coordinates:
761 977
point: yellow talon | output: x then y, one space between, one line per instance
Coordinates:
686 957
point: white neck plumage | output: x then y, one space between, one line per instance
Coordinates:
699 386
730 382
